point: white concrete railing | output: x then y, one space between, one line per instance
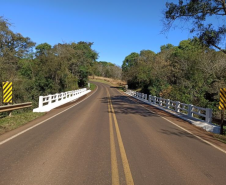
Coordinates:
186 109
47 103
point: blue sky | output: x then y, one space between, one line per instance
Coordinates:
117 27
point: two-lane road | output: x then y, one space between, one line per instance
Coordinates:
109 139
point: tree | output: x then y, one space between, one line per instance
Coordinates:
166 47
13 46
130 61
106 69
42 49
199 12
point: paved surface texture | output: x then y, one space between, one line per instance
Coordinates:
110 138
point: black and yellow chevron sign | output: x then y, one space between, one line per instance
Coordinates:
222 103
7 92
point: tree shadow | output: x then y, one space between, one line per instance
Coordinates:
178 133
122 105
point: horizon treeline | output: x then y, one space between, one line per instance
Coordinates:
107 69
189 73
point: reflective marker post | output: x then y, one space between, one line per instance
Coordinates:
222 106
7 88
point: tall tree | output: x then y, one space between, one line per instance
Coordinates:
199 13
13 46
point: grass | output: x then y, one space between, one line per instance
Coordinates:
17 120
92 86
221 138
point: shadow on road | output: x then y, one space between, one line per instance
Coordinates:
177 132
124 105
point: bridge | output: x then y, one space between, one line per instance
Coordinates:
110 137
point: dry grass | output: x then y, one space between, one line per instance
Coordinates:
110 81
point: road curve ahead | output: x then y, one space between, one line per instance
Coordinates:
109 138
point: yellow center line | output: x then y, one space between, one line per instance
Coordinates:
127 171
114 164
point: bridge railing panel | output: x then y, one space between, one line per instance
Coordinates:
176 106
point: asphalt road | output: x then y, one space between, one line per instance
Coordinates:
109 138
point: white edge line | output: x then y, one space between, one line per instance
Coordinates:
181 127
12 137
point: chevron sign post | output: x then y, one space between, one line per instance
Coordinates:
7 92
222 106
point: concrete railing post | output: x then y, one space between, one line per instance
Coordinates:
50 99
149 99
145 96
190 108
160 101
40 101
167 103
208 118
154 99
177 108
56 100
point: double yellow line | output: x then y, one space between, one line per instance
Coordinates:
114 164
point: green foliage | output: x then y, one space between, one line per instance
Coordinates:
42 49
166 47
130 61
49 70
199 13
137 68
92 86
189 73
106 69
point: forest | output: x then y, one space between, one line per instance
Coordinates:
190 73
42 69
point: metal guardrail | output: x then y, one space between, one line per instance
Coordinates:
7 108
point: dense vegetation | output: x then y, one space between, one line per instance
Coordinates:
190 73
44 69
107 69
